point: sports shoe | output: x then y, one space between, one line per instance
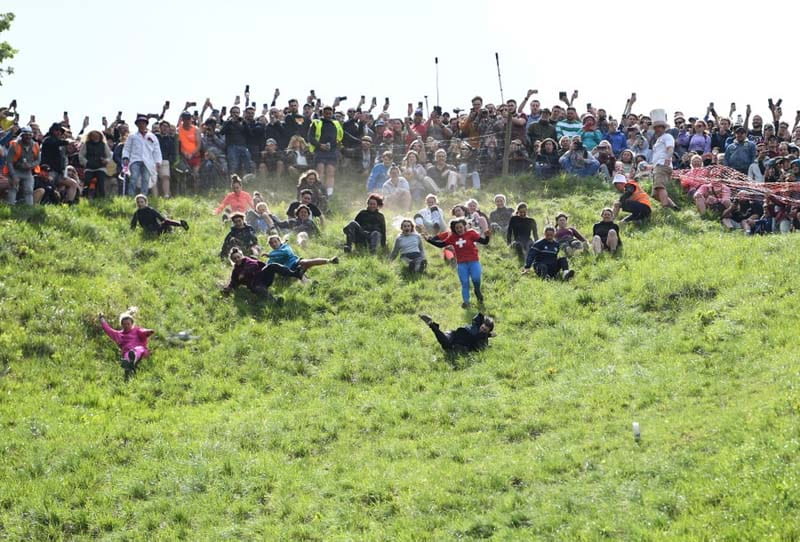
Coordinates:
567 274
185 225
465 305
425 318
348 248
423 266
334 260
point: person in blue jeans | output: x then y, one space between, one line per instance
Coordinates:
464 242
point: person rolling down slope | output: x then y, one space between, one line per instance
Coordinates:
464 339
283 255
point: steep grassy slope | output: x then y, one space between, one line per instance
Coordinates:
336 417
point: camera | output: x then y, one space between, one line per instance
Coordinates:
342 98
457 110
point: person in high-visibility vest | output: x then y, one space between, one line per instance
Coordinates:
325 138
24 157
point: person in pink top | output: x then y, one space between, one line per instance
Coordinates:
132 340
236 201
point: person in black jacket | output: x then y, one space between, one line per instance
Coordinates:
241 236
54 151
236 133
520 229
368 227
256 137
543 257
151 220
466 338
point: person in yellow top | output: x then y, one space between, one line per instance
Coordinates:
325 137
190 146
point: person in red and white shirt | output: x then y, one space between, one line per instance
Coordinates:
464 241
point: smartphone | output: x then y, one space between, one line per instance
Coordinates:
105 120
247 89
769 101
387 101
196 113
733 106
191 104
363 98
66 114
562 95
277 91
711 105
633 95
588 106
166 104
779 102
13 104
312 93
224 110
119 114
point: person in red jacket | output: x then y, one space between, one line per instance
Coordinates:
464 242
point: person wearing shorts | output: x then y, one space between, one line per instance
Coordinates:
325 136
663 149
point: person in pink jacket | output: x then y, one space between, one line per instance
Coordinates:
132 340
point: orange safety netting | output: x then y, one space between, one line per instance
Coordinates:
740 185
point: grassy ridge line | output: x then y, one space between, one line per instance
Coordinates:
343 421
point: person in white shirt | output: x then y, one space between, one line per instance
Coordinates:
140 156
431 219
396 191
663 149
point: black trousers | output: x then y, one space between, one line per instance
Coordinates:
266 276
551 270
359 236
638 211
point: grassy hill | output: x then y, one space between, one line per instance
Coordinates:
336 416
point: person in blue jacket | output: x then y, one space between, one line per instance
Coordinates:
617 138
379 173
283 255
543 257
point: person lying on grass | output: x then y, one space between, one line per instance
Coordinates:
131 339
543 258
463 240
605 234
463 339
408 246
256 275
260 218
282 254
241 236
151 220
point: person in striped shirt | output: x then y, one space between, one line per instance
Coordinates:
570 126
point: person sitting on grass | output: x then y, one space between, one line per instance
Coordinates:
260 218
633 199
744 213
570 239
605 234
303 225
151 220
463 339
131 339
241 236
462 241
543 258
306 198
431 218
396 191
368 228
236 201
408 246
521 228
256 275
500 217
282 254
477 217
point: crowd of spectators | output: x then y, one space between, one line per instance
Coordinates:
404 158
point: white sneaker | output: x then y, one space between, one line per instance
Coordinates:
567 274
329 191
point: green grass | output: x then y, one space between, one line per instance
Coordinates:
336 417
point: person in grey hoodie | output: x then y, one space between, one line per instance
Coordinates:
408 246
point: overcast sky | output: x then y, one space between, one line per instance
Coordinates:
94 57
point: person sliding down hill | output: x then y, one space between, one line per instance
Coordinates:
463 242
132 340
151 220
543 257
283 255
258 276
241 236
466 338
